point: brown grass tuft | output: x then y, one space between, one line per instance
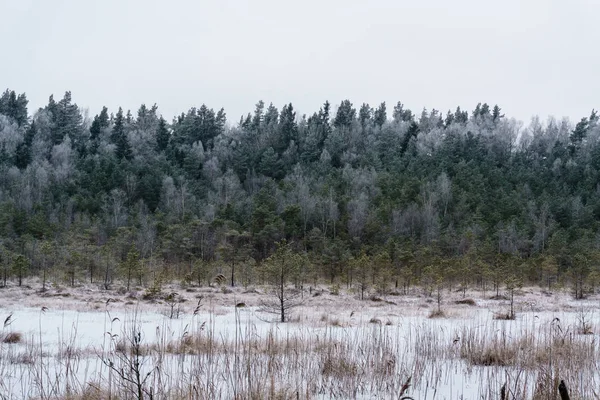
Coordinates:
12 338
339 366
437 314
468 302
504 316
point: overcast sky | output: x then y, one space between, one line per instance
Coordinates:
532 57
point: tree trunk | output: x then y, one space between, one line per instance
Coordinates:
282 293
106 274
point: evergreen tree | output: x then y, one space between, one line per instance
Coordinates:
449 119
99 123
364 115
272 115
496 113
67 122
400 114
220 121
485 110
580 132
461 117
119 138
23 153
257 119
380 115
288 130
325 117
162 135
14 106
477 111
346 114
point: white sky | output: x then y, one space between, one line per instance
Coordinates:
532 57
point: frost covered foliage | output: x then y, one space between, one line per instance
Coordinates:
455 190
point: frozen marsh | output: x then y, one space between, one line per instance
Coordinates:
85 343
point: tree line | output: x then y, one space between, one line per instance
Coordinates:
367 198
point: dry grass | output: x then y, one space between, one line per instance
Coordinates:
492 355
437 314
505 316
12 338
549 346
468 302
353 356
339 366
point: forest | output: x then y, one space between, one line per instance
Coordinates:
368 198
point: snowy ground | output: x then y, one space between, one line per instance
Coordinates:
68 332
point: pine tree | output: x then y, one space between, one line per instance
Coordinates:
282 267
67 121
23 152
496 113
578 135
402 115
205 126
246 122
449 119
162 135
119 138
14 106
147 120
485 110
99 123
364 115
325 118
413 131
288 128
346 114
461 117
220 121
380 115
272 115
477 111
257 119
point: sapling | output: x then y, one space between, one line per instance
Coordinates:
512 283
281 268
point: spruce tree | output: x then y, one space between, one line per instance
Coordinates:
346 113
162 135
119 138
23 152
380 115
